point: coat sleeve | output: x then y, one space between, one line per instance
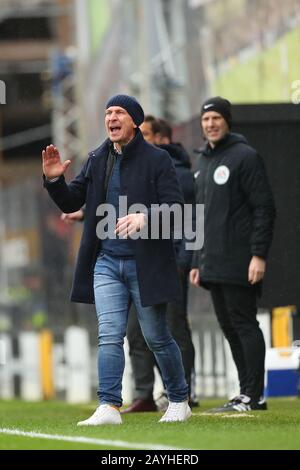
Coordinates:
168 193
195 264
167 184
196 256
185 256
256 186
69 197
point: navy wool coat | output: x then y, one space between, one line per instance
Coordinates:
147 176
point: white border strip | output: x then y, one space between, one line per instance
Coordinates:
86 440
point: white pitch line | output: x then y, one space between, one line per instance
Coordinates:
225 415
86 440
238 416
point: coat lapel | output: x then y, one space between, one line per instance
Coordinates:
98 168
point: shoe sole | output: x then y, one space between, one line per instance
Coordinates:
178 420
99 424
233 411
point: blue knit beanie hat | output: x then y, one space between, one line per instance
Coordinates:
130 104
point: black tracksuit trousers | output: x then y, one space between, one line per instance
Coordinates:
143 360
236 309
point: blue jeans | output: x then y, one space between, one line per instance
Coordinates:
115 286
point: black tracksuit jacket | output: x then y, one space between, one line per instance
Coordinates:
185 177
239 212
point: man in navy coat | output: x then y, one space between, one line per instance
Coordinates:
137 264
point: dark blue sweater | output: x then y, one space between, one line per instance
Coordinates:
116 246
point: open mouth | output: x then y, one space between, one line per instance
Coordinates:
114 129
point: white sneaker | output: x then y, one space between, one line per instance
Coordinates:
104 414
176 412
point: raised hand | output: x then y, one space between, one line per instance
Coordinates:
52 164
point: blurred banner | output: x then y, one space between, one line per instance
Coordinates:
248 48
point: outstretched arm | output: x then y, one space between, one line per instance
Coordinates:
68 197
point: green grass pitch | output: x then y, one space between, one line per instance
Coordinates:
277 428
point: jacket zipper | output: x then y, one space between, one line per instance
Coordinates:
206 178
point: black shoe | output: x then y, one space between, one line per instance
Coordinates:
240 404
260 405
140 406
193 403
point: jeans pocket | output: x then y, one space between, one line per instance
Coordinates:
99 258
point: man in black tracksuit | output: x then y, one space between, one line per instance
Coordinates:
238 225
